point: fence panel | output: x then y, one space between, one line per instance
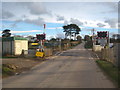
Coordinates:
111 54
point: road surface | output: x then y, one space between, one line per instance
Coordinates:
74 68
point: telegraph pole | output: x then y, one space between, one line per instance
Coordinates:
44 33
93 34
60 44
44 28
108 39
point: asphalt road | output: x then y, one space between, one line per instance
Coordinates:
74 68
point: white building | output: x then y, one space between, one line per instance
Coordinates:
13 45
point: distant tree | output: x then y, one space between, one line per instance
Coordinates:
52 40
88 43
31 38
87 38
71 30
18 36
66 30
115 38
65 40
79 38
6 33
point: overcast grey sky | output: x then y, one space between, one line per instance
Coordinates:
79 12
86 14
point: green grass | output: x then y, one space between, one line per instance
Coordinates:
111 70
7 71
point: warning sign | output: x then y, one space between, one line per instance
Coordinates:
39 54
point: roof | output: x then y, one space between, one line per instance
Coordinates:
13 38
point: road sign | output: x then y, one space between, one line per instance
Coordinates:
39 54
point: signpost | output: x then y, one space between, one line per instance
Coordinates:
41 39
103 37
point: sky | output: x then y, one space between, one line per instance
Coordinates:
28 18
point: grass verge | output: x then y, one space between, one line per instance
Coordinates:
7 71
112 71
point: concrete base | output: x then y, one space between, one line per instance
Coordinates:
97 47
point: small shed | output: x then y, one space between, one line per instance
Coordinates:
13 45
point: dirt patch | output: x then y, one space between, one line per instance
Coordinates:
15 66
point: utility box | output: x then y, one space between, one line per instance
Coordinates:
13 45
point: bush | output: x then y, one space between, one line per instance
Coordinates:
88 44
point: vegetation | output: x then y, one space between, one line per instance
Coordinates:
115 38
112 40
111 70
6 33
88 41
6 71
88 44
71 30
79 38
87 38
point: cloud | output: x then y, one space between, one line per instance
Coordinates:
55 28
101 25
29 9
48 37
60 35
76 21
87 29
24 31
65 22
112 33
24 16
96 23
14 24
113 6
112 22
60 18
37 8
39 21
73 21
7 14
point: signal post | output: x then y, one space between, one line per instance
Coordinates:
41 39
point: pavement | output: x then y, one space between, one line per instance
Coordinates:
74 68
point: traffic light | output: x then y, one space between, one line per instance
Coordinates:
40 36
